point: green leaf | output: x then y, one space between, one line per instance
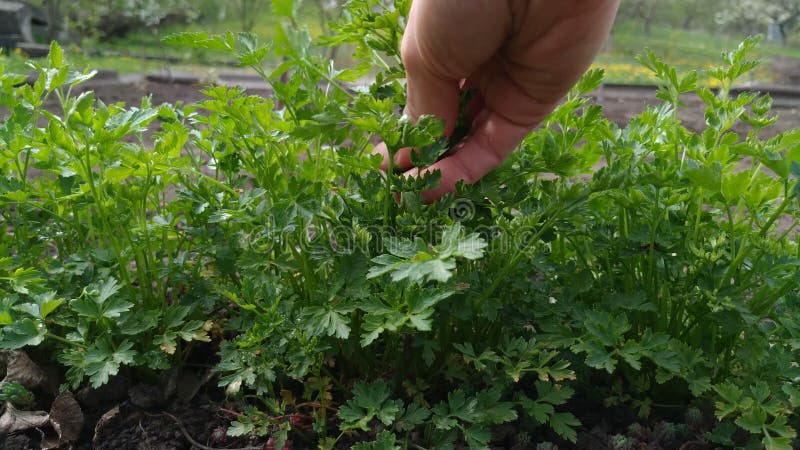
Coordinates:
23 280
386 441
100 301
427 155
495 412
477 437
597 356
47 303
22 333
322 321
285 8
552 393
383 441
793 393
536 409
118 174
752 420
415 262
55 59
699 385
564 425
370 401
590 81
795 169
722 434
777 443
16 393
607 329
413 417
734 185
421 304
142 321
104 361
174 317
199 40
637 301
240 428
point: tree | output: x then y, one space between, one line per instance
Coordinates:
643 10
249 11
690 13
752 16
109 17
785 14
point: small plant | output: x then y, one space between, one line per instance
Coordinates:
643 267
93 247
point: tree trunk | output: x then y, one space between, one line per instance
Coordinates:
783 31
56 21
687 23
648 16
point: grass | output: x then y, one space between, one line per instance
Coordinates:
143 51
684 49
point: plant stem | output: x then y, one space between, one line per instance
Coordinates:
64 341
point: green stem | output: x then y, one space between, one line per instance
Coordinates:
380 60
775 216
500 278
64 341
104 222
389 203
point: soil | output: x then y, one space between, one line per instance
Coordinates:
130 415
619 104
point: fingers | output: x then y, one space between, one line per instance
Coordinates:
445 42
490 143
521 56
430 95
402 158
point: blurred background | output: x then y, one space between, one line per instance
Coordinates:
125 35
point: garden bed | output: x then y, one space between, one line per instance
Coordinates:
236 271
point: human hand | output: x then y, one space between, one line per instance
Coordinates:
520 56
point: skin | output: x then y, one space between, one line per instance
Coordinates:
521 57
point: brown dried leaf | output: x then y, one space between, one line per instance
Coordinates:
23 370
107 418
14 420
66 418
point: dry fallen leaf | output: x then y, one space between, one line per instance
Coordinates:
66 418
105 420
14 420
20 368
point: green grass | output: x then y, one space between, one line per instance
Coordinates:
127 54
149 41
684 49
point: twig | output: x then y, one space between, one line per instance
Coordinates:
192 441
230 412
316 405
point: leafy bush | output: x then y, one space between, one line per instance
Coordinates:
645 267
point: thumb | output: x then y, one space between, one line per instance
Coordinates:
428 93
445 42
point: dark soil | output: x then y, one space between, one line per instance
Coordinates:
619 104
132 93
